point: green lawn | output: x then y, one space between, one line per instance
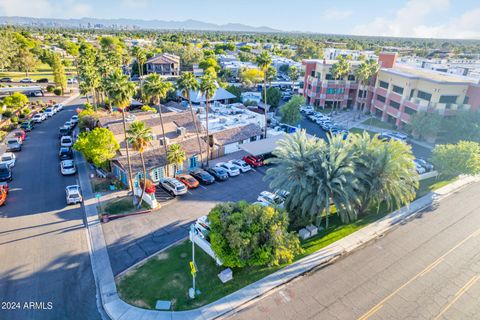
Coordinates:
374 122
120 206
432 184
167 275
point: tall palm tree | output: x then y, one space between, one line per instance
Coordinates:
316 174
264 60
208 87
385 170
120 91
155 90
339 70
140 136
186 83
364 73
176 156
141 57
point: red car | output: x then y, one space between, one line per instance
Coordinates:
4 185
188 180
20 134
253 161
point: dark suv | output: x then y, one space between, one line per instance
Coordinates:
65 153
5 172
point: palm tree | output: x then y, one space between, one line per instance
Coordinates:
316 174
264 61
120 91
293 74
139 136
208 87
186 83
176 156
339 70
364 73
141 58
155 90
385 170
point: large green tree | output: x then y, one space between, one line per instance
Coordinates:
243 235
455 159
59 73
98 146
425 125
176 156
291 110
274 95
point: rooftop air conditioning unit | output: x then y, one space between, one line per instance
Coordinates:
167 141
182 131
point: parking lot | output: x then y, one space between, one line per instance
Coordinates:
131 239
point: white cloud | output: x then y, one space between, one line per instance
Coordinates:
409 21
335 14
44 8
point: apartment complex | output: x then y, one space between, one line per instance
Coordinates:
395 93
164 64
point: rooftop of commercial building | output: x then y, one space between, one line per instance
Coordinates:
429 75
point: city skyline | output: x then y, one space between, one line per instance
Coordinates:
413 18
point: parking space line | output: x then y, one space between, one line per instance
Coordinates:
203 187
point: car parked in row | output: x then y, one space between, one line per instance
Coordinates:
67 167
218 173
253 161
8 158
173 186
425 164
14 144
242 165
37 118
64 131
50 112
66 141
5 172
6 79
230 168
202 176
271 198
20 134
65 153
27 80
27 125
188 180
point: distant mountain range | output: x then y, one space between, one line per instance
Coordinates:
132 24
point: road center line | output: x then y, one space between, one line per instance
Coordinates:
418 275
457 296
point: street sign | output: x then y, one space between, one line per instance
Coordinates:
192 268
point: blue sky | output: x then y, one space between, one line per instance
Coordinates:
416 18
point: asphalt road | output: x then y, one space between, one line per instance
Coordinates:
428 268
43 246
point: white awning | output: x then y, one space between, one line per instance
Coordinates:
263 146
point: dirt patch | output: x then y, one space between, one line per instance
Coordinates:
141 304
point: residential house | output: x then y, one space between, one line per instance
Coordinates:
164 64
229 140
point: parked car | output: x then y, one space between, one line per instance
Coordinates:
42 80
27 80
202 226
242 165
253 161
72 81
8 158
49 112
188 180
64 131
419 168
65 153
20 134
38 118
202 176
231 169
74 120
66 141
271 199
36 94
73 194
58 107
173 186
68 125
220 174
13 144
67 167
305 109
27 125
6 79
427 165
5 172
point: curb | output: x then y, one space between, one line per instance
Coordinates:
118 309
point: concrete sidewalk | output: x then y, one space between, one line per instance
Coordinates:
118 309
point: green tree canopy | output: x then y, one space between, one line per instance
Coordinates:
98 146
291 110
16 100
243 235
274 95
425 124
455 159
